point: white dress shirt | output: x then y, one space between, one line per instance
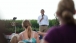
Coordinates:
44 21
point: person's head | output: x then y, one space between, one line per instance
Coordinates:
27 25
42 11
66 11
14 38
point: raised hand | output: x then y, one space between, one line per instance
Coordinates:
41 19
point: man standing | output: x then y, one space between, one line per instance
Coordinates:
43 22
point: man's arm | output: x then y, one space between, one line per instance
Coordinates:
39 20
41 33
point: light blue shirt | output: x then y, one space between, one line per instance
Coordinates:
45 20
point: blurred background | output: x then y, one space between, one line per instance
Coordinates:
26 9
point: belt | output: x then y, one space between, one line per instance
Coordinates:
43 25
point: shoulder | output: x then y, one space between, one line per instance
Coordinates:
54 28
35 32
45 15
51 34
20 36
21 33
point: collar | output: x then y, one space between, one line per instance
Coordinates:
43 15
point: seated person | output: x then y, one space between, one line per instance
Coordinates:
28 36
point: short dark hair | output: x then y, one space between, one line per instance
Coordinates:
42 9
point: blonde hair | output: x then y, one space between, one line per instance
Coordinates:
27 25
66 10
14 38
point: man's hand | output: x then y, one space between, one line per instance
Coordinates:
39 32
42 33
